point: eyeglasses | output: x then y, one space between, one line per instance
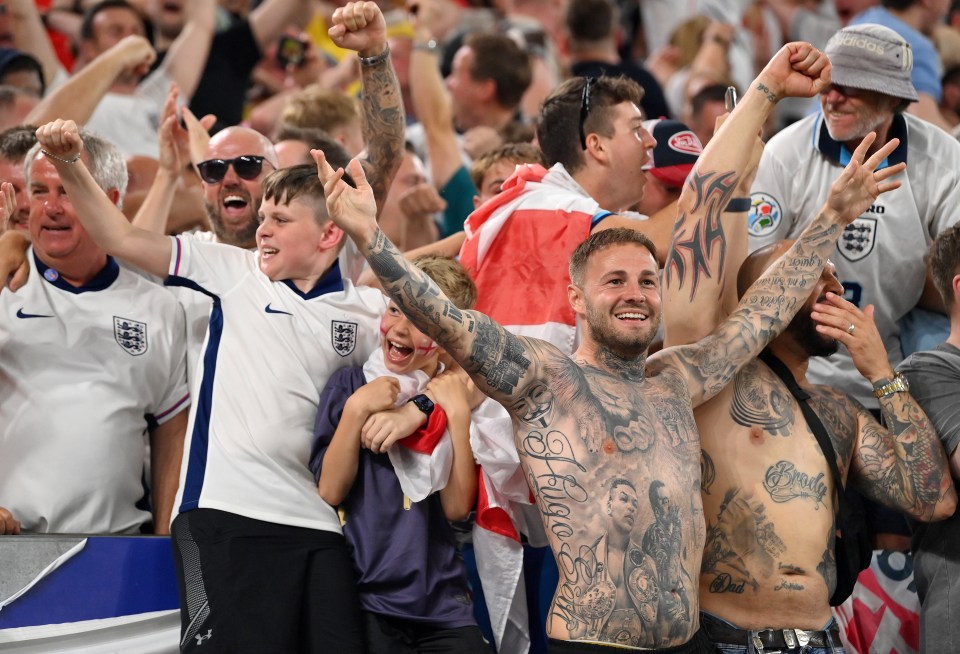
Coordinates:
247 166
585 109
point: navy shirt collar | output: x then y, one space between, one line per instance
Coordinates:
839 153
102 280
330 282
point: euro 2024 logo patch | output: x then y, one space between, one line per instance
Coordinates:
131 335
765 214
344 337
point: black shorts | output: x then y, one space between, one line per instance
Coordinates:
699 644
385 635
253 586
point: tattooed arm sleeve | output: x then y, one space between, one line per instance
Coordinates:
499 362
709 243
383 127
903 466
764 311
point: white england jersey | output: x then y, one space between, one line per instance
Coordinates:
880 256
268 354
83 373
197 306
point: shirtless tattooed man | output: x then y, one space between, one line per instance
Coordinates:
612 412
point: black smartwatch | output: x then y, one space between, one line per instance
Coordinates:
423 403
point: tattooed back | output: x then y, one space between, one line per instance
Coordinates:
613 464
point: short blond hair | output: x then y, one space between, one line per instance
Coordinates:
314 106
451 277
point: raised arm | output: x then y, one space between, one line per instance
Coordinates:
30 36
902 463
270 18
708 243
78 97
102 220
502 365
431 100
360 26
187 56
776 297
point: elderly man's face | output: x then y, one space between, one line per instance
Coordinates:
851 113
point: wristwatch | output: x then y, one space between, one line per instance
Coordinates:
423 403
899 384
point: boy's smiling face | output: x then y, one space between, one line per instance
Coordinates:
288 240
405 348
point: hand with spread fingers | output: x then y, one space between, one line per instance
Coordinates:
860 183
856 329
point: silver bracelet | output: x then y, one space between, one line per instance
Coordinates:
377 58
50 155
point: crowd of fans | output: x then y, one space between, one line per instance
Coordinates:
194 338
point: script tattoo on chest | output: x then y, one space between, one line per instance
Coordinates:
784 483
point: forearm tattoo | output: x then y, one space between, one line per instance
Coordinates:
764 312
383 127
493 353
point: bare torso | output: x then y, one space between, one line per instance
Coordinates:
768 498
614 466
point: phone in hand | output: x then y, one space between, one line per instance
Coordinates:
730 98
291 51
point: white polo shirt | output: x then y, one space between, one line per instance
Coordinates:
83 373
880 256
268 354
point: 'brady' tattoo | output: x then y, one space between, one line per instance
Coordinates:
784 483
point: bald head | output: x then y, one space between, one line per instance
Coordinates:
757 263
232 199
241 140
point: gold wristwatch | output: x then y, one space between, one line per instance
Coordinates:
897 385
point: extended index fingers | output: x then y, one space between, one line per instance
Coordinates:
324 169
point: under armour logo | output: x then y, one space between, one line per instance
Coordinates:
200 638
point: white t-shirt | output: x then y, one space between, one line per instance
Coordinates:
268 354
880 256
83 372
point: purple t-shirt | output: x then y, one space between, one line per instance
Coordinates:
408 565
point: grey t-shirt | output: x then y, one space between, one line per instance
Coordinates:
934 377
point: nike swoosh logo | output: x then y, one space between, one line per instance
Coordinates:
21 314
269 310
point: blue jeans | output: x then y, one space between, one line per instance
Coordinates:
726 648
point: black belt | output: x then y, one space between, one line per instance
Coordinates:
770 639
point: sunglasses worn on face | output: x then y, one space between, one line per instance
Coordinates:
247 166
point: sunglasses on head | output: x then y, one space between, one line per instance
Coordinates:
585 109
247 166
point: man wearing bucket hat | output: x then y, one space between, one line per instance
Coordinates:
880 256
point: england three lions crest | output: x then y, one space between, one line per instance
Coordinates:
858 238
344 337
131 335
